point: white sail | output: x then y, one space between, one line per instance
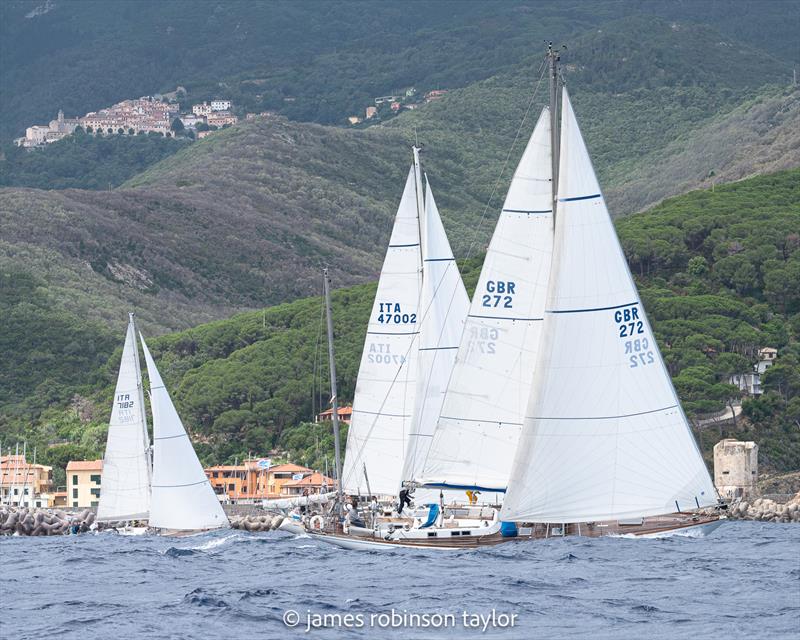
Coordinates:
182 496
444 305
384 396
477 434
605 437
125 480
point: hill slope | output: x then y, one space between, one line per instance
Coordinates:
312 61
719 272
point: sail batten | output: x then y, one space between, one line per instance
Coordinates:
604 436
182 497
476 433
125 479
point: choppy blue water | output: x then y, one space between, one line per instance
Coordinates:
743 581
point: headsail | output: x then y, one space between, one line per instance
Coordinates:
605 437
384 395
125 481
476 436
444 306
182 495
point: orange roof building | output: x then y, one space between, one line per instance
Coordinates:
345 415
83 483
313 483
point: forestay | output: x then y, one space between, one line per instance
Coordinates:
444 306
605 437
182 495
476 436
384 396
125 480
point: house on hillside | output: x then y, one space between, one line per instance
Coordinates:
750 382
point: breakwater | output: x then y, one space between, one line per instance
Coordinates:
266 522
43 522
767 510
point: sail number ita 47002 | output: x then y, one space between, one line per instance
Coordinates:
392 313
630 327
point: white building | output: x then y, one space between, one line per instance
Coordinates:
203 109
220 105
750 383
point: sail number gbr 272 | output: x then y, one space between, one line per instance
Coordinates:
500 293
631 329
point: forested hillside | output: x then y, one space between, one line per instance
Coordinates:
719 273
319 61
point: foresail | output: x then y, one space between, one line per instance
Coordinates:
476 436
443 307
384 394
125 480
182 495
605 437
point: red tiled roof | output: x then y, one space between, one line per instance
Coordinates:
288 467
85 465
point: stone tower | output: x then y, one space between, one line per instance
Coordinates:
735 468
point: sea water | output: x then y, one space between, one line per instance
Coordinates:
742 581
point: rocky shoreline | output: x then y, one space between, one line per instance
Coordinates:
44 522
766 510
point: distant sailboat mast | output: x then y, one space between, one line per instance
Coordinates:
553 57
334 399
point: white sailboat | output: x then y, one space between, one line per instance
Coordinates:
182 498
602 446
126 475
605 439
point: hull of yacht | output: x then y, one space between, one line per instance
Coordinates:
678 524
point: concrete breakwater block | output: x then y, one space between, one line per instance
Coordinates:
767 510
253 523
26 521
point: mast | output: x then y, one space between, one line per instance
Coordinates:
553 57
334 399
419 193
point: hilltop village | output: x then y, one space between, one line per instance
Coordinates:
145 115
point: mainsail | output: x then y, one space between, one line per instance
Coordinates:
125 480
444 305
605 437
182 496
384 396
477 433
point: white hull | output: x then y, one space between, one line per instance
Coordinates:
132 531
292 526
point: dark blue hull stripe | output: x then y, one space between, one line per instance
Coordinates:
592 197
506 318
465 487
619 306
624 415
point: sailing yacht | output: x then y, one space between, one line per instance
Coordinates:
416 321
126 475
559 396
171 494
